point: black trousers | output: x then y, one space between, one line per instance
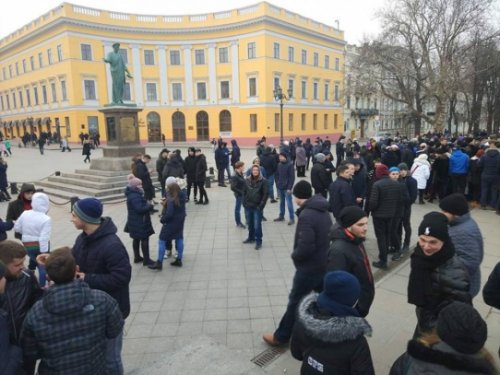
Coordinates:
458 183
301 171
395 238
405 225
191 184
382 227
220 176
202 191
144 244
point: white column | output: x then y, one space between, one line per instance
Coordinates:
108 47
236 72
188 74
136 65
212 74
162 66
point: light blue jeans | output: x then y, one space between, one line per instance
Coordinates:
270 186
162 247
284 194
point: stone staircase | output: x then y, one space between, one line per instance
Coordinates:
106 185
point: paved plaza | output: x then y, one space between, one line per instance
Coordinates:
227 290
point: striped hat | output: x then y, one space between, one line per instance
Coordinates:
88 210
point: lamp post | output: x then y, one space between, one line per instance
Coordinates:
280 97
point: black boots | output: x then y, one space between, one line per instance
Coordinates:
156 266
176 263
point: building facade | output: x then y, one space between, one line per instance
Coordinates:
196 77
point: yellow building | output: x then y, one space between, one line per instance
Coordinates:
196 77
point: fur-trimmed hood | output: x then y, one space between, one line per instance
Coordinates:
330 329
443 359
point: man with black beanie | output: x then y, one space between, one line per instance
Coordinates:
437 275
309 256
348 253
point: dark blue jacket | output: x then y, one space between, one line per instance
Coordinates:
11 356
341 195
221 158
4 227
138 215
411 185
268 161
459 162
105 262
235 152
489 163
285 176
173 218
359 182
311 242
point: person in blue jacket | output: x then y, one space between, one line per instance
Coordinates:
458 168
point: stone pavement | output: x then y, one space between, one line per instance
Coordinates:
227 290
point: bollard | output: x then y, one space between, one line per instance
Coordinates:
73 200
57 173
211 170
13 188
208 183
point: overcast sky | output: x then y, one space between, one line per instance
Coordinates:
356 17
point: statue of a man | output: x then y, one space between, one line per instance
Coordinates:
118 72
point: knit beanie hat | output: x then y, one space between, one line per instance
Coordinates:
394 169
350 215
88 210
434 224
3 270
170 180
133 181
302 190
320 157
340 294
403 166
461 326
455 204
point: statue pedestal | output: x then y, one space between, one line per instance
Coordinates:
122 131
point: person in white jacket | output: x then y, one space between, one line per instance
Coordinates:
421 171
35 227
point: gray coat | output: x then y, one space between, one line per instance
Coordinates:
468 241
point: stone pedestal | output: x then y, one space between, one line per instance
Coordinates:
122 131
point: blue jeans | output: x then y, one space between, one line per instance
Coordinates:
303 284
33 264
237 209
489 192
162 247
270 186
254 222
284 194
114 363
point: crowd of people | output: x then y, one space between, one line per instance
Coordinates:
82 292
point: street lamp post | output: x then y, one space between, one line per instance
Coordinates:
280 97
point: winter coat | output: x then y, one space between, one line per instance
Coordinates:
85 150
105 262
138 215
320 178
160 164
308 148
359 182
407 156
34 225
475 171
490 163
173 168
190 165
440 359
285 175
173 218
238 185
341 195
256 193
459 162
385 198
311 240
491 290
328 344
4 227
441 167
468 241
391 158
269 162
347 253
300 156
3 175
11 356
68 329
411 186
201 169
221 158
235 153
16 208
142 173
421 171
20 295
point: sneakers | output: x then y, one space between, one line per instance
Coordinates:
379 264
273 201
396 256
258 246
176 263
156 266
240 225
279 219
249 240
168 254
271 340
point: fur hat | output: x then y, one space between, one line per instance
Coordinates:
133 181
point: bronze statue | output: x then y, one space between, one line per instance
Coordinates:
118 72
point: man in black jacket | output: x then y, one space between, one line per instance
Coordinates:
347 253
341 191
269 162
411 186
190 166
254 201
320 180
309 256
285 177
385 198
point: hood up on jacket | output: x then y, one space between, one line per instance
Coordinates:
316 202
68 299
40 202
330 329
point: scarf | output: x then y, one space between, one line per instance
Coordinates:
420 289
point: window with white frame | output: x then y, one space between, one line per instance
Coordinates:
336 92
54 92
291 54
326 94
304 56
59 53
40 60
44 93
1 102
303 89
28 98
199 57
290 122
276 82
316 59
175 57
8 101
303 121
21 101
291 89
32 63
4 73
252 86
64 93
89 88
49 56
224 89
149 57
276 50
327 62
252 50
315 91
14 100
277 122
24 65
17 68
151 95
86 51
223 55
177 91
35 95
201 90
337 64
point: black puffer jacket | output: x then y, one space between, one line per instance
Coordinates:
329 344
385 198
311 242
491 290
173 168
238 185
256 193
320 178
341 195
269 162
201 169
347 253
190 165
143 174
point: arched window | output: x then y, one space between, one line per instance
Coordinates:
202 126
154 127
178 127
225 121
